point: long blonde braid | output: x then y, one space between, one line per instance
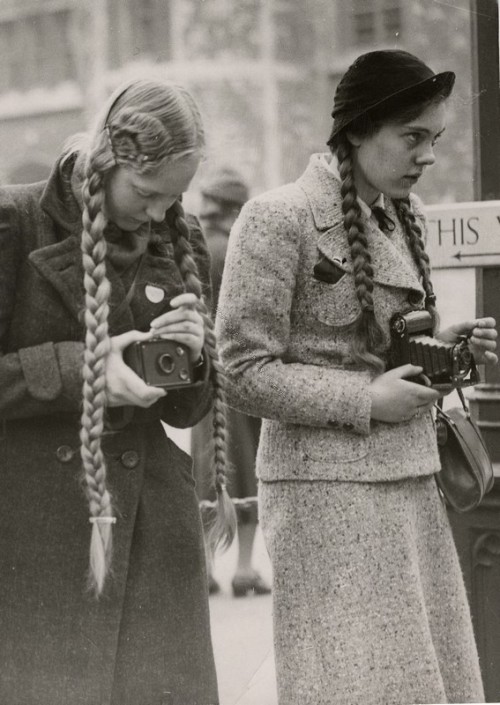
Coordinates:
145 123
369 339
97 345
223 529
420 256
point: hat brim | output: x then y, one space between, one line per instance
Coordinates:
439 83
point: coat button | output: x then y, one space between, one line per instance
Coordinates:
348 426
65 454
130 458
333 423
414 298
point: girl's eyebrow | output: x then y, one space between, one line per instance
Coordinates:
425 130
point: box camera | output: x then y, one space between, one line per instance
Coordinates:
445 364
160 363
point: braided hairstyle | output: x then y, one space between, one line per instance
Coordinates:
222 531
369 339
413 234
145 125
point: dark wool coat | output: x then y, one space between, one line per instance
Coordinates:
147 640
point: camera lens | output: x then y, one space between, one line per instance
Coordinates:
166 363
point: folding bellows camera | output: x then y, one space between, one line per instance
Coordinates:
447 364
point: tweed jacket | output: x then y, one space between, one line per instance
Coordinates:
148 635
284 337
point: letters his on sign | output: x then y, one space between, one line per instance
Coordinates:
464 234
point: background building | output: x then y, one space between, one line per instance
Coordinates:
263 71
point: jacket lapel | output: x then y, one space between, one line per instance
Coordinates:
391 261
61 264
60 261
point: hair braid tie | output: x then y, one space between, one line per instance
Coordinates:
223 529
97 343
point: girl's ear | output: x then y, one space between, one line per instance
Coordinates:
353 139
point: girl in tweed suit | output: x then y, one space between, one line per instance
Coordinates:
369 602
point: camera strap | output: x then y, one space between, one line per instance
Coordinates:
439 403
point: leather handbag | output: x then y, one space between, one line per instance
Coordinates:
466 471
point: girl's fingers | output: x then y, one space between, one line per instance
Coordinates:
185 327
484 333
491 357
484 343
143 394
187 338
487 322
184 300
177 316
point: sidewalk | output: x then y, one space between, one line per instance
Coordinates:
241 627
242 635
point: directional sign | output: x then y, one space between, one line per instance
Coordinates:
464 234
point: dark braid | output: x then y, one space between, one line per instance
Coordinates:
420 256
369 339
224 528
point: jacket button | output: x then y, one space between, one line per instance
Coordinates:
65 454
130 458
414 298
333 423
348 426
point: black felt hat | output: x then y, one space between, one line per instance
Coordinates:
383 81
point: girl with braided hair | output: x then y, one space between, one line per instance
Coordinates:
99 257
369 601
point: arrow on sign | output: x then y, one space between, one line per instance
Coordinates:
460 256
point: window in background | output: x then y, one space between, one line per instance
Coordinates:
376 21
35 46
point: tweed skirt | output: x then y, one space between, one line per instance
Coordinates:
369 601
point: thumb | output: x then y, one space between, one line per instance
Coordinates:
406 371
120 342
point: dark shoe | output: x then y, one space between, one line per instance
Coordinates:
213 585
243 584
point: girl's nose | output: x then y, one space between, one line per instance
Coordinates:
426 157
157 209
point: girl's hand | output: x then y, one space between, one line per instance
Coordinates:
396 399
482 338
123 386
184 324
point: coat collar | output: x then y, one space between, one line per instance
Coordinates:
391 259
60 262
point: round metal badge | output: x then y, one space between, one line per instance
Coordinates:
155 294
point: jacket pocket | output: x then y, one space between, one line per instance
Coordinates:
334 304
331 446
